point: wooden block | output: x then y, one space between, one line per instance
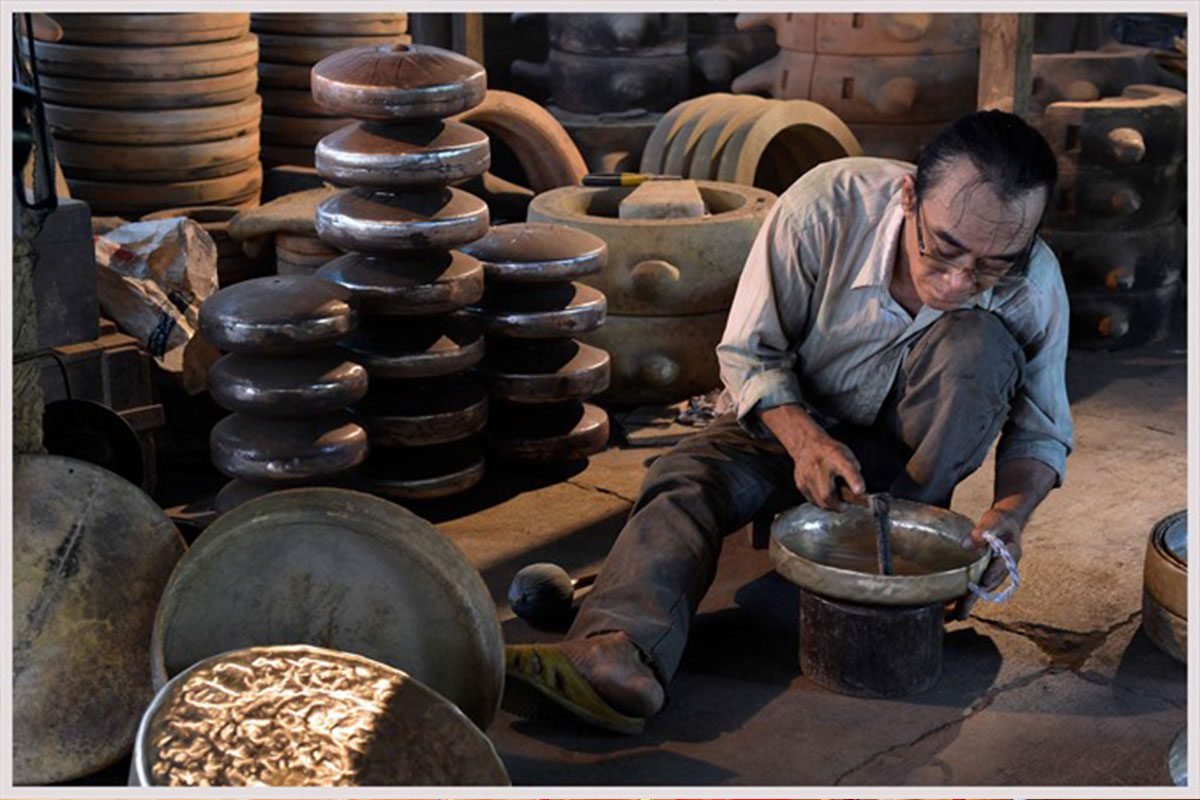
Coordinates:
663 200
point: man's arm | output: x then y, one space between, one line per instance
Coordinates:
819 458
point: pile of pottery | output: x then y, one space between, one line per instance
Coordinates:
153 111
400 223
1114 222
287 383
536 374
293 122
896 79
719 52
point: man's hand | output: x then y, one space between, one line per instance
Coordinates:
1006 526
819 458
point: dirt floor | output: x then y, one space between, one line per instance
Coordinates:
1060 686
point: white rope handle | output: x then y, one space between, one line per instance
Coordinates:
998 549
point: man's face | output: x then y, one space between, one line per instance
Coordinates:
961 239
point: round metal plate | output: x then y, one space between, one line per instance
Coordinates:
547 433
383 222
347 571
540 312
419 413
408 82
421 283
1165 568
298 386
1177 760
424 473
833 554
391 156
538 252
91 555
424 347
544 372
385 727
278 315
93 432
287 451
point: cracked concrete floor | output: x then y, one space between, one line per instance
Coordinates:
1058 687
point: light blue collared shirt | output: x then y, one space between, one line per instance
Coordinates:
813 322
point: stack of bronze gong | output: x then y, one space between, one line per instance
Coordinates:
286 382
537 375
292 121
154 111
400 221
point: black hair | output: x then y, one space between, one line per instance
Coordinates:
1010 155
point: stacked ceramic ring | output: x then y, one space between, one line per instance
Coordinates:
896 79
154 111
610 77
293 122
233 264
1114 221
400 222
287 384
536 374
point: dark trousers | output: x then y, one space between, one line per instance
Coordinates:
946 407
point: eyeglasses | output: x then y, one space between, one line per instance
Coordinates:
983 272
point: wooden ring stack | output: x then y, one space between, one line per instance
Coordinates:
536 374
401 220
153 111
293 122
286 382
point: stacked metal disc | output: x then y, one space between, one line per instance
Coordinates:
400 222
293 122
154 111
1114 221
536 374
896 79
610 77
287 383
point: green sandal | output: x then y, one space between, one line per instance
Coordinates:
537 675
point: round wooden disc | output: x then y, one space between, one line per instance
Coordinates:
424 347
296 386
287 451
418 413
139 198
363 723
173 62
538 252
364 220
402 156
400 82
544 372
291 102
299 131
289 49
344 24
236 270
171 126
306 245
431 283
278 315
424 473
124 30
91 555
343 570
285 76
214 219
547 433
313 261
175 162
187 93
540 312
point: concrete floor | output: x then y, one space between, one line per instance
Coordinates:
1058 687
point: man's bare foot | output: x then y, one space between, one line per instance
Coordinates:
614 667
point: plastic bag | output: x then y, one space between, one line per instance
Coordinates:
152 277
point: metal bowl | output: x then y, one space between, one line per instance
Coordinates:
833 554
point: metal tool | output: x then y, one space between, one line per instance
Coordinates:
624 178
881 506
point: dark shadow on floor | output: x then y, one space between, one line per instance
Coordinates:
643 768
1089 371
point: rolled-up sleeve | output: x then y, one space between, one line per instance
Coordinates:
757 353
1039 423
